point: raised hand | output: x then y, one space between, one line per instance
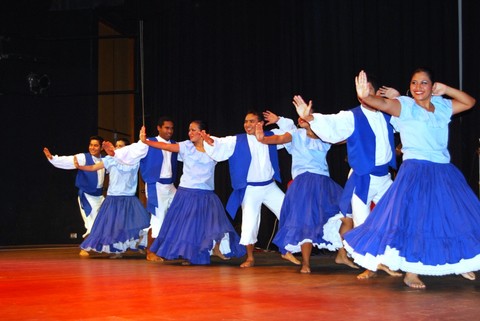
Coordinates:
47 153
259 134
108 148
303 110
439 89
361 84
387 92
270 118
143 134
206 138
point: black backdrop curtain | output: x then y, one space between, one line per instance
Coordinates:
214 60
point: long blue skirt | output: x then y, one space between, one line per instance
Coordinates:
118 225
427 223
310 202
196 220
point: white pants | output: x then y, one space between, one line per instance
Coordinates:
165 194
271 196
95 203
378 187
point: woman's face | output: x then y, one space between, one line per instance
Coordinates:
421 86
194 133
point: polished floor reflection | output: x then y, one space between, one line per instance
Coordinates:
54 283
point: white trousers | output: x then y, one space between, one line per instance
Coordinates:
378 187
271 196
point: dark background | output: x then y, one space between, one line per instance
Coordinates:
210 60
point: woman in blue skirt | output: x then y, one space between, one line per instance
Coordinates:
122 217
196 225
428 222
312 198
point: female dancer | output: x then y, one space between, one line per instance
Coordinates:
311 199
428 222
196 224
122 217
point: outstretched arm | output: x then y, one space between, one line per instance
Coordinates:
461 101
389 106
174 148
271 140
88 168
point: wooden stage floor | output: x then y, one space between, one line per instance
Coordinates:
54 283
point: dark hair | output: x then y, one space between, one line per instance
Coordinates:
96 137
373 80
256 113
163 119
426 70
125 140
201 125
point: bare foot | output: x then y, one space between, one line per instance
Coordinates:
152 257
413 281
83 253
289 257
367 274
247 264
342 258
216 252
305 269
390 272
469 276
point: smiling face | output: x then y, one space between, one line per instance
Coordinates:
166 130
95 147
251 121
421 86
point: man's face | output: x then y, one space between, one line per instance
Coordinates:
250 123
95 148
166 130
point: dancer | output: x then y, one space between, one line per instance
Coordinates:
159 171
196 225
89 184
428 221
122 217
371 150
253 171
311 199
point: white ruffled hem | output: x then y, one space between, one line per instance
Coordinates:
395 262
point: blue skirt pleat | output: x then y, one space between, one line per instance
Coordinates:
428 222
119 220
311 200
195 220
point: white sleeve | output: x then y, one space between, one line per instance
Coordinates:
131 154
66 162
222 147
286 124
333 128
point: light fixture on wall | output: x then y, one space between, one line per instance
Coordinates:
38 84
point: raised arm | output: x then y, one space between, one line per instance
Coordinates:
271 140
364 93
174 148
461 101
